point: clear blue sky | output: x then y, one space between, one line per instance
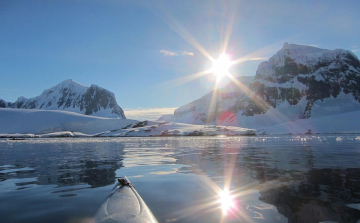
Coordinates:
137 49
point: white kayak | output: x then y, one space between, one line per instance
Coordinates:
124 204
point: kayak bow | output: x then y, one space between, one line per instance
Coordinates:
124 204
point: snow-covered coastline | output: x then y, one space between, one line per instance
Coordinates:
33 123
343 123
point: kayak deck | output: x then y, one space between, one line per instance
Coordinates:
124 204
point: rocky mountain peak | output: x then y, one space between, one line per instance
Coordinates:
293 60
71 96
298 71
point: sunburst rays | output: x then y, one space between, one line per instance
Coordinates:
221 66
176 26
222 197
223 202
226 32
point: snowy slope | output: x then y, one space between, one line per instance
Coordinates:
348 122
71 96
203 110
46 121
52 123
298 82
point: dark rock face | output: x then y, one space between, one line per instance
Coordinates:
3 103
96 98
70 96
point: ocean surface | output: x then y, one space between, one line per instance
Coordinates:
312 178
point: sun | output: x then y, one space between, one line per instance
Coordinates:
221 66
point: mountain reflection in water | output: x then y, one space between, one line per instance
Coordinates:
310 182
271 179
62 164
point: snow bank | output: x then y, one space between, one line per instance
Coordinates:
158 128
49 121
341 123
30 123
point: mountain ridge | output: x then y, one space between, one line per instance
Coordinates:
69 95
298 82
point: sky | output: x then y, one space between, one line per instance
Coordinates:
146 52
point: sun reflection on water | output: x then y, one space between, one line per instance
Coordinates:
226 200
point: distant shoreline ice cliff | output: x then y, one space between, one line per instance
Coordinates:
71 96
301 89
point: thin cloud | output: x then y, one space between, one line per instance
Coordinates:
168 53
186 53
355 50
147 113
176 53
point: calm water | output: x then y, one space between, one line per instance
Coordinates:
270 178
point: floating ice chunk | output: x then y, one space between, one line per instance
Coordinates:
339 139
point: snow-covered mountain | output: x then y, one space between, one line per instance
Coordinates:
71 96
298 82
207 108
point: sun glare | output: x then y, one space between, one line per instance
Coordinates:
226 201
221 66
